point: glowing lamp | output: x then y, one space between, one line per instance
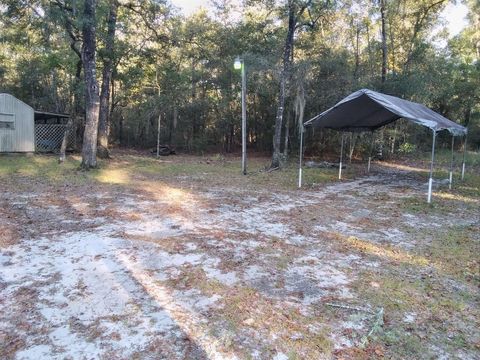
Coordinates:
237 64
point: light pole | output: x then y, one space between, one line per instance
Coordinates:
240 64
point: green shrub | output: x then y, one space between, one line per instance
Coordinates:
407 148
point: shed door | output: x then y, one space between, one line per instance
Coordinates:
7 129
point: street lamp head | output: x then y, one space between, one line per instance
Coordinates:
237 64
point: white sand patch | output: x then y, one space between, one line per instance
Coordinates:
320 228
80 206
158 228
352 325
212 272
297 240
253 272
340 342
189 247
101 282
410 317
135 202
35 352
228 278
343 227
254 220
324 275
194 301
280 356
72 345
316 280
393 234
256 354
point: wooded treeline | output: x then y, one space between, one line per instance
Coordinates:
129 64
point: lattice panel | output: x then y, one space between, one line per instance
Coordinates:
48 137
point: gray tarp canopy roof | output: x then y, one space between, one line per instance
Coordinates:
367 110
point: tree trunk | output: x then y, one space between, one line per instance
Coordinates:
89 149
277 156
467 116
287 130
120 129
158 134
63 147
384 41
232 138
393 61
353 138
357 52
103 118
175 121
194 103
369 50
394 139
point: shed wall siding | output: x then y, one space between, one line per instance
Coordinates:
22 137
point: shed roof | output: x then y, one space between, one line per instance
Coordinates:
5 95
43 115
369 110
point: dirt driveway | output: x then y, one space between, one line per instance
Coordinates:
146 262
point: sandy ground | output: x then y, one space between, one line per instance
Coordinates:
172 271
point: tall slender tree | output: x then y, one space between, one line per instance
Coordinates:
286 63
301 14
92 102
108 63
383 11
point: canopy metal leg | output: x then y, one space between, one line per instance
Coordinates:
341 159
450 178
370 154
430 180
300 158
464 155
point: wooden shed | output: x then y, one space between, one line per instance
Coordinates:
17 126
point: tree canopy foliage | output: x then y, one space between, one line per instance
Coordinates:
164 64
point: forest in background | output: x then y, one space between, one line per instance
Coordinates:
151 63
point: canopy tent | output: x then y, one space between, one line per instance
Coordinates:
367 110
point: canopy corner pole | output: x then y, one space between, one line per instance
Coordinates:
430 180
370 153
450 177
341 159
464 156
302 129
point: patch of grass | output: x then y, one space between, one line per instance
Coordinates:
35 165
194 277
111 176
385 252
45 169
443 157
322 176
220 171
409 345
415 204
439 308
283 261
394 294
9 234
129 170
455 252
470 186
245 307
